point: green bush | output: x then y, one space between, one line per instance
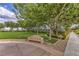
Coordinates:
46 39
77 31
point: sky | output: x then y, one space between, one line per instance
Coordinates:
7 12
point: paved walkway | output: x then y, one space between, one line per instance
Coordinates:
15 48
19 48
72 48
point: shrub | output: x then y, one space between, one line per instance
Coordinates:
46 39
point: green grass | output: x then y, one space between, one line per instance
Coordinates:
24 35
16 35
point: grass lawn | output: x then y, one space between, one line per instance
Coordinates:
16 35
22 36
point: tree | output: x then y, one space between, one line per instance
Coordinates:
10 24
1 25
32 13
54 15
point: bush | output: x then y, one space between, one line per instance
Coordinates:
46 39
77 31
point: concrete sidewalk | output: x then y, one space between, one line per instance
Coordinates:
13 48
72 48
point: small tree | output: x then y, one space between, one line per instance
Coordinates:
1 25
10 24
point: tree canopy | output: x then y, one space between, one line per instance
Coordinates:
54 15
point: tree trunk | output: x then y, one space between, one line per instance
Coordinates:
11 29
22 29
37 29
50 34
17 29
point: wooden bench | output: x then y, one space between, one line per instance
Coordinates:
35 38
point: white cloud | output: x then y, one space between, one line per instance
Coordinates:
6 12
5 20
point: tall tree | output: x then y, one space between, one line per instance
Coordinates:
54 15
